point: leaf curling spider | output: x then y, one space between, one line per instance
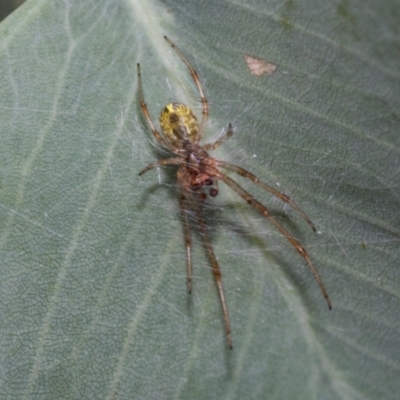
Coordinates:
181 135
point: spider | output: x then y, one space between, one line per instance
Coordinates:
198 175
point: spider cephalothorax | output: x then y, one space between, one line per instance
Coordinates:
198 171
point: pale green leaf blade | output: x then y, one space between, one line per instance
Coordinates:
93 288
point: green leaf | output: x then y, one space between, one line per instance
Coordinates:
93 272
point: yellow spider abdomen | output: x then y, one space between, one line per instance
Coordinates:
178 123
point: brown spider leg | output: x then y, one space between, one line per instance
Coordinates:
146 114
217 273
286 199
196 79
165 161
265 213
227 135
188 240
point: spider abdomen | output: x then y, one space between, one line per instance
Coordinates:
178 123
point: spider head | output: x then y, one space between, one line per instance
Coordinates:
178 123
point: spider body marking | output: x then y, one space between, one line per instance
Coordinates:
179 124
197 171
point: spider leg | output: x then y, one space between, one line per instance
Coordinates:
216 271
265 213
196 80
188 240
146 113
227 135
286 199
165 161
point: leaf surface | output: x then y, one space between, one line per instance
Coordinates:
93 287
